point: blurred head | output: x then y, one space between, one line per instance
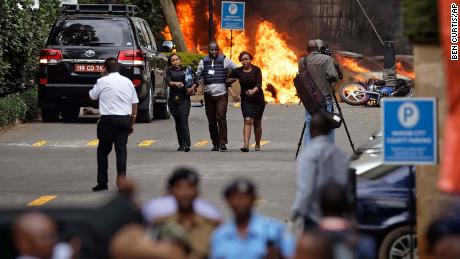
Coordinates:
245 58
313 246
213 49
241 195
183 185
333 200
174 60
312 45
111 65
319 125
439 230
35 234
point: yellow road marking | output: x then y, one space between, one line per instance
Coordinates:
93 143
262 142
146 143
39 143
201 143
42 200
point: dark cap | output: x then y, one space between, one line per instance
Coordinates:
240 185
183 174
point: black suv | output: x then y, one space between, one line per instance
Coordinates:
79 42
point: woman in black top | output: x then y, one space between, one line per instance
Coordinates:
179 100
252 98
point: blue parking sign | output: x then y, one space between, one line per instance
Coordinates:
232 15
409 131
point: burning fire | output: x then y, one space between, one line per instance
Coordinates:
167 33
400 70
351 65
277 62
187 21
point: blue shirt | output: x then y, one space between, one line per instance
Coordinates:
226 243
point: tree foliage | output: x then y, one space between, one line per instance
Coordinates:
24 32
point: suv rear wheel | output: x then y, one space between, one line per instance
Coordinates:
147 114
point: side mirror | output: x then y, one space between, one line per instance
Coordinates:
167 46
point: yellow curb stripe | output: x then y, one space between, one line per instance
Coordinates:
262 142
39 143
93 143
146 143
42 200
201 143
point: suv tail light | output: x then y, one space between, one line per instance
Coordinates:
50 56
131 57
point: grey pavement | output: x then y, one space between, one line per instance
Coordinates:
41 159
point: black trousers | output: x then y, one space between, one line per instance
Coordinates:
180 112
112 129
216 112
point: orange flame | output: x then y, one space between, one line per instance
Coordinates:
166 33
351 65
186 15
277 62
400 70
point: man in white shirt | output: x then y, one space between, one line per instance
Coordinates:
118 107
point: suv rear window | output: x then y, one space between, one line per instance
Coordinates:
92 32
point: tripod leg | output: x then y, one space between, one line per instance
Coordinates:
300 141
344 123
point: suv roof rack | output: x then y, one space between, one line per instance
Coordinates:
116 9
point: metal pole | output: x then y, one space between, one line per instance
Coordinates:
211 22
231 41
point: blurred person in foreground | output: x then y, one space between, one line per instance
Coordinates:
35 235
197 228
443 235
313 245
118 107
347 244
318 163
249 234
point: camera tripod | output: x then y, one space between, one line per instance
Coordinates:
344 124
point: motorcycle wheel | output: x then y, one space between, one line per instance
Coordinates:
349 95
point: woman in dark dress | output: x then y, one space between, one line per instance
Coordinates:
252 98
179 100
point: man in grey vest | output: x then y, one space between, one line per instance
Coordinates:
213 69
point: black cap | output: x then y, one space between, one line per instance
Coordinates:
183 174
240 185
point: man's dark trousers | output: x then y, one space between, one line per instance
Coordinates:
112 129
216 111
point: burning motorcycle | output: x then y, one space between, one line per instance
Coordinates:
370 92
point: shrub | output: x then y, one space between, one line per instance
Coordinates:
21 106
190 59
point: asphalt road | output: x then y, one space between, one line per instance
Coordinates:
54 164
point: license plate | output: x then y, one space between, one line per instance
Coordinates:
88 68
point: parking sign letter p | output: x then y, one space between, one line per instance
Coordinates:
408 112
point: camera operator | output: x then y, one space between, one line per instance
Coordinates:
324 72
